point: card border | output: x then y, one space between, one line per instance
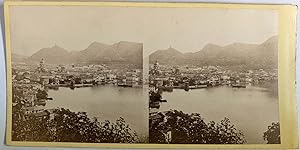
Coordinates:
286 72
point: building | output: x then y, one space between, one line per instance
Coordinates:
41 68
155 70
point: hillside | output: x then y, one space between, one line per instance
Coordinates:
17 58
251 55
123 52
168 56
53 54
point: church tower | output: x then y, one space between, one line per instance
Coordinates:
155 69
41 67
42 64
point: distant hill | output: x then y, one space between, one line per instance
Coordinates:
251 55
122 52
53 54
18 58
168 56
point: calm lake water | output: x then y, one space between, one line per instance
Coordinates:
250 109
106 103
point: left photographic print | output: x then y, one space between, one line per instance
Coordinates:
76 76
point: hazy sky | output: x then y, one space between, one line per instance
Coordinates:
186 29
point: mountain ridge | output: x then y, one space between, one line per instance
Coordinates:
232 54
96 52
132 52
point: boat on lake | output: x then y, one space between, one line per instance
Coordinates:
201 86
192 87
163 100
124 85
49 98
83 85
238 86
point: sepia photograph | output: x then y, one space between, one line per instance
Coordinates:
149 75
214 80
74 78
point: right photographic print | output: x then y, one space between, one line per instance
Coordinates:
213 77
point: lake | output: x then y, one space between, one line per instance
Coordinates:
107 102
250 109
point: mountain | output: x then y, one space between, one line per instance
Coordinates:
96 52
168 56
130 51
122 52
250 55
17 58
53 54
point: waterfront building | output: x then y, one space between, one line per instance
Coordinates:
37 112
111 77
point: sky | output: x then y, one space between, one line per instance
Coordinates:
185 29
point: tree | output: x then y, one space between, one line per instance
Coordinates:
154 96
224 133
31 129
192 82
41 94
192 129
118 132
78 80
272 135
68 126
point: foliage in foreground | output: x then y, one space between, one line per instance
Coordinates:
68 126
272 135
192 129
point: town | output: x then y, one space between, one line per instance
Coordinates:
206 76
31 82
169 77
